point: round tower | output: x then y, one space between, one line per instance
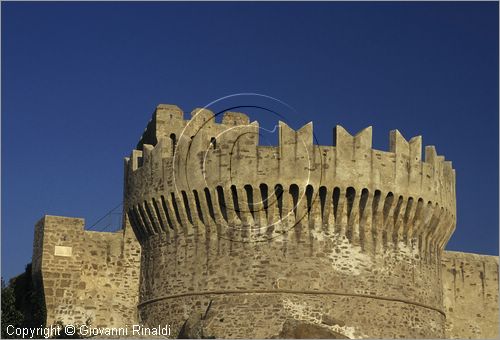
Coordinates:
344 237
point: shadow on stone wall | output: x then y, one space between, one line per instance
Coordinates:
298 329
195 326
30 300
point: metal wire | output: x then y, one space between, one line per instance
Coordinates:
109 213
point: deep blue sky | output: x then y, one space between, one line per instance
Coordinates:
80 81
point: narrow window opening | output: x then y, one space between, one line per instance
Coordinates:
186 205
376 199
322 199
249 191
387 205
398 209
236 205
143 217
176 209
173 139
362 201
198 205
336 199
157 210
264 196
209 203
309 198
167 214
151 217
409 205
222 202
278 192
350 194
294 191
419 211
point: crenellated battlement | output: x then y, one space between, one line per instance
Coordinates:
258 239
297 229
199 176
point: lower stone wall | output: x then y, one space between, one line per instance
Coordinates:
470 283
388 293
85 274
263 315
95 275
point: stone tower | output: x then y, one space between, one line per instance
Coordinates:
251 236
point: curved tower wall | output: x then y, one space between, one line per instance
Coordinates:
254 235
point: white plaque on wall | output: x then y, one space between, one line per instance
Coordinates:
63 251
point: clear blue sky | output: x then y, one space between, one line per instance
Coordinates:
80 81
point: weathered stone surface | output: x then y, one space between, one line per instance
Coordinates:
97 280
195 327
346 238
296 329
331 321
296 229
470 295
192 328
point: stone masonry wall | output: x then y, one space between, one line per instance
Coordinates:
470 295
83 285
222 218
256 287
86 274
343 236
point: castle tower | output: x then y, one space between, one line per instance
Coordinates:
249 236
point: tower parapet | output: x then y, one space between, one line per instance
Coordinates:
305 229
203 169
